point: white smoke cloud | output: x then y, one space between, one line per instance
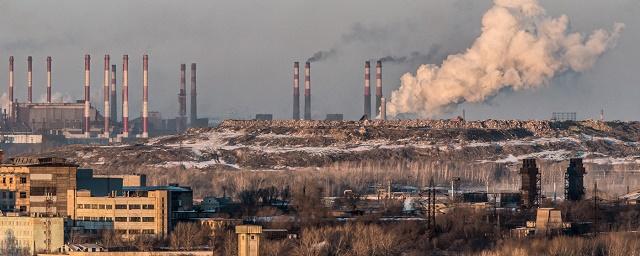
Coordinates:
57 97
520 47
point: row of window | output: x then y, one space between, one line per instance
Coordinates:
23 180
6 195
118 206
134 231
118 219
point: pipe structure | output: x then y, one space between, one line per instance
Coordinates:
307 91
182 99
194 95
296 90
87 94
367 89
106 91
113 98
49 79
29 79
145 96
125 96
378 86
11 82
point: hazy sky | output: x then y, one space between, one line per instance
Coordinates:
245 51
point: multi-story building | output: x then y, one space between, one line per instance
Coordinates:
131 211
36 185
37 234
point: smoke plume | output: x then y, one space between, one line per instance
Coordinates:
432 55
520 47
322 55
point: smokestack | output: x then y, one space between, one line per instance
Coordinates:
11 87
107 107
29 79
307 91
49 79
194 95
87 92
125 96
383 109
113 98
145 96
378 86
367 89
182 99
296 91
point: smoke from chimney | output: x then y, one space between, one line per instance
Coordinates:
520 48
322 55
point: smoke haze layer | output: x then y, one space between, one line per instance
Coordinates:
520 47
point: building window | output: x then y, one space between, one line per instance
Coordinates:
134 219
121 231
23 208
23 180
148 231
121 219
134 231
80 206
87 206
10 180
23 194
134 206
109 206
147 206
101 206
4 180
94 206
121 206
147 219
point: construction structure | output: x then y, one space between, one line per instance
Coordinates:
248 240
531 187
564 116
367 90
307 91
296 91
574 180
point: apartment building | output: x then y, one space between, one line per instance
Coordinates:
131 211
35 233
36 185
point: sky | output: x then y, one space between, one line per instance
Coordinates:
245 52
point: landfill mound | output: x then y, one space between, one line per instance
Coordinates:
290 144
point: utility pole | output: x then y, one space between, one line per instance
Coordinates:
595 207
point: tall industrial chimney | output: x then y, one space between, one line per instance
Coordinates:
145 96
307 91
383 109
11 100
182 100
87 92
378 86
106 91
49 79
296 91
367 89
113 98
125 96
194 95
29 79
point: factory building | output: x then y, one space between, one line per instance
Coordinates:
55 118
38 234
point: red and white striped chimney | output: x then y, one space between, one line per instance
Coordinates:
87 94
125 96
107 107
11 100
49 79
307 91
367 89
296 91
112 99
145 96
29 79
378 86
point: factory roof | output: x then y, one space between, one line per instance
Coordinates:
39 161
154 188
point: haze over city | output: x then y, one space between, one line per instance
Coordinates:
244 52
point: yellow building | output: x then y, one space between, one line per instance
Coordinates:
248 240
132 211
36 185
31 232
